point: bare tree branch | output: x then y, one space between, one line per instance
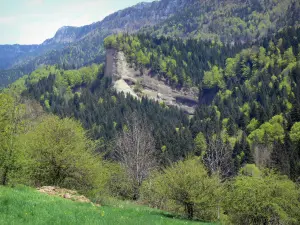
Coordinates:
135 150
217 157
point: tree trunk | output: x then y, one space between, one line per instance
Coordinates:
135 193
189 208
4 176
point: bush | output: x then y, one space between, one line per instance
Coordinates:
185 188
62 155
120 185
262 198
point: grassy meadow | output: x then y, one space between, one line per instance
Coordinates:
23 205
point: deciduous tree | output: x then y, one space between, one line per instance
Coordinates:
135 150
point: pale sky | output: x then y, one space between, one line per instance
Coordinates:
33 21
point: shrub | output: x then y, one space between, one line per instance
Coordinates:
185 188
262 198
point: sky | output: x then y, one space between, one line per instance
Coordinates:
34 21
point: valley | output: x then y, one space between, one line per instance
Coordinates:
165 112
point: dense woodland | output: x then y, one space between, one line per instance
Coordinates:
237 160
241 96
230 21
181 63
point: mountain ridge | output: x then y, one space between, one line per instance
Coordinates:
84 45
222 21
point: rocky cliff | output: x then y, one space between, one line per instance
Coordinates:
139 83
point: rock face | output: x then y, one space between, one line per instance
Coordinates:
68 34
138 84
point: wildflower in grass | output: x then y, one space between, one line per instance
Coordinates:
102 213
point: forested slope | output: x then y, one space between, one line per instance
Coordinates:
231 22
235 161
249 95
74 47
87 96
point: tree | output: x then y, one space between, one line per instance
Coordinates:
111 42
294 136
295 132
262 197
217 157
11 126
270 131
200 143
135 150
63 156
187 185
214 78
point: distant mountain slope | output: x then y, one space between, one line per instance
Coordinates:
249 98
69 34
84 45
230 21
14 55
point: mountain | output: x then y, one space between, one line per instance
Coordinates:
229 21
214 86
68 34
248 96
78 46
13 55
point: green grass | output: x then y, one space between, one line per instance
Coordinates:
24 205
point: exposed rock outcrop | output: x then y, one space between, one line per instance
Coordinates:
130 81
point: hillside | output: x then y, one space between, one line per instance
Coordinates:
139 84
191 107
230 21
75 47
77 93
239 94
79 46
26 206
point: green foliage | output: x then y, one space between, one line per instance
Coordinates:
260 83
200 143
12 125
253 125
186 187
295 132
62 155
110 42
172 59
262 198
229 21
120 184
250 170
269 131
213 78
